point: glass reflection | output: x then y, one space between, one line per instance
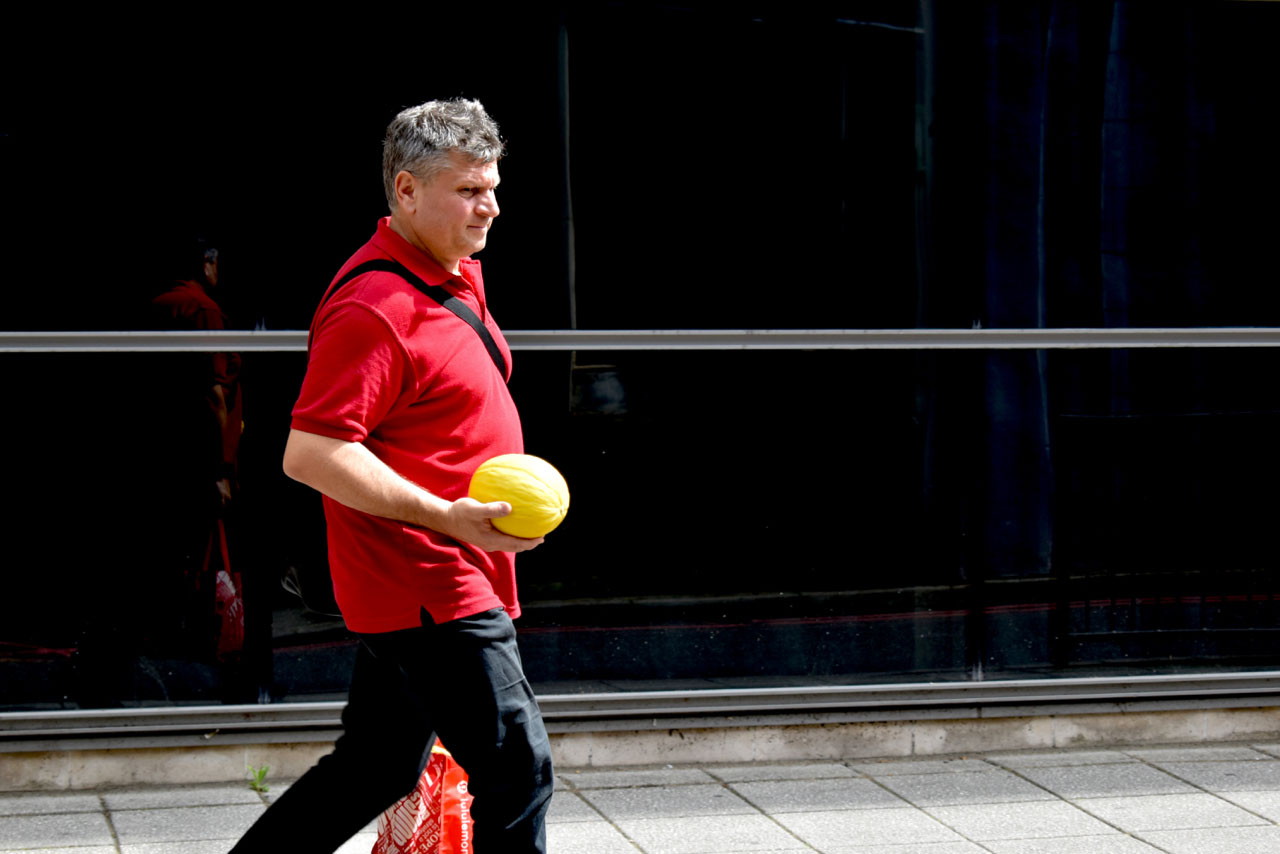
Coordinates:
749 519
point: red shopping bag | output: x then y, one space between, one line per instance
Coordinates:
228 595
435 818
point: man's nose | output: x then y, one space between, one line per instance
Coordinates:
488 205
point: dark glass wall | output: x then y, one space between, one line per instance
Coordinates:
740 518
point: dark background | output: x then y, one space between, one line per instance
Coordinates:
846 165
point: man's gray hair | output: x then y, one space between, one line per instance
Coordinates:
420 139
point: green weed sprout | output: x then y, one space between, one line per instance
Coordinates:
258 778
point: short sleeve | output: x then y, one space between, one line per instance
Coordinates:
355 373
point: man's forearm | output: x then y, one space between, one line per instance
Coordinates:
350 474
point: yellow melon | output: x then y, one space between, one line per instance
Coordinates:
537 493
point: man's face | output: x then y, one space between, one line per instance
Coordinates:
211 272
448 216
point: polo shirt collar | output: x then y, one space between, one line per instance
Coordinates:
389 241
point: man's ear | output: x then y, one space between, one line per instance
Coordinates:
407 188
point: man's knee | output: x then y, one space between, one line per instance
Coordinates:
519 768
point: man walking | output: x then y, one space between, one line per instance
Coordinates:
402 400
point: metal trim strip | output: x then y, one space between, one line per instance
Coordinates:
712 707
678 339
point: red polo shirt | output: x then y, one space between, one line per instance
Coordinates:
391 368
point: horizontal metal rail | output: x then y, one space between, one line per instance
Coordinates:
679 339
705 708
935 696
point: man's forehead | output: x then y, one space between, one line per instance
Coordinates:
464 168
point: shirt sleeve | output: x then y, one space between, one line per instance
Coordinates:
356 371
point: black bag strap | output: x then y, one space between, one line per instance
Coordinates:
434 292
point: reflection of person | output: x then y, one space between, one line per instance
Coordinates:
197 459
400 403
189 304
180 437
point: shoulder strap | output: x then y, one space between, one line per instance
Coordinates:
434 292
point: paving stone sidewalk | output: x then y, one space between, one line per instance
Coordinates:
1218 799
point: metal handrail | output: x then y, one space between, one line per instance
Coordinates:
678 339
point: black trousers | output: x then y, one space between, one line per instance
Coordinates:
461 681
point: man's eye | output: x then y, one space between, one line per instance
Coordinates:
468 191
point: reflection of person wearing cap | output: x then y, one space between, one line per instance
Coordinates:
194 466
189 304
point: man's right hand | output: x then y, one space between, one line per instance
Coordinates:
470 521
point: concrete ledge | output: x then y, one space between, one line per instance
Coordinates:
130 765
125 766
882 739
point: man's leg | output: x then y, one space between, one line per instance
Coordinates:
485 714
377 760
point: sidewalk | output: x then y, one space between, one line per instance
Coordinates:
1179 800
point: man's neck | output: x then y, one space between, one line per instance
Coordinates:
453 266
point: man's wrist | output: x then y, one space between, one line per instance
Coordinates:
433 512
